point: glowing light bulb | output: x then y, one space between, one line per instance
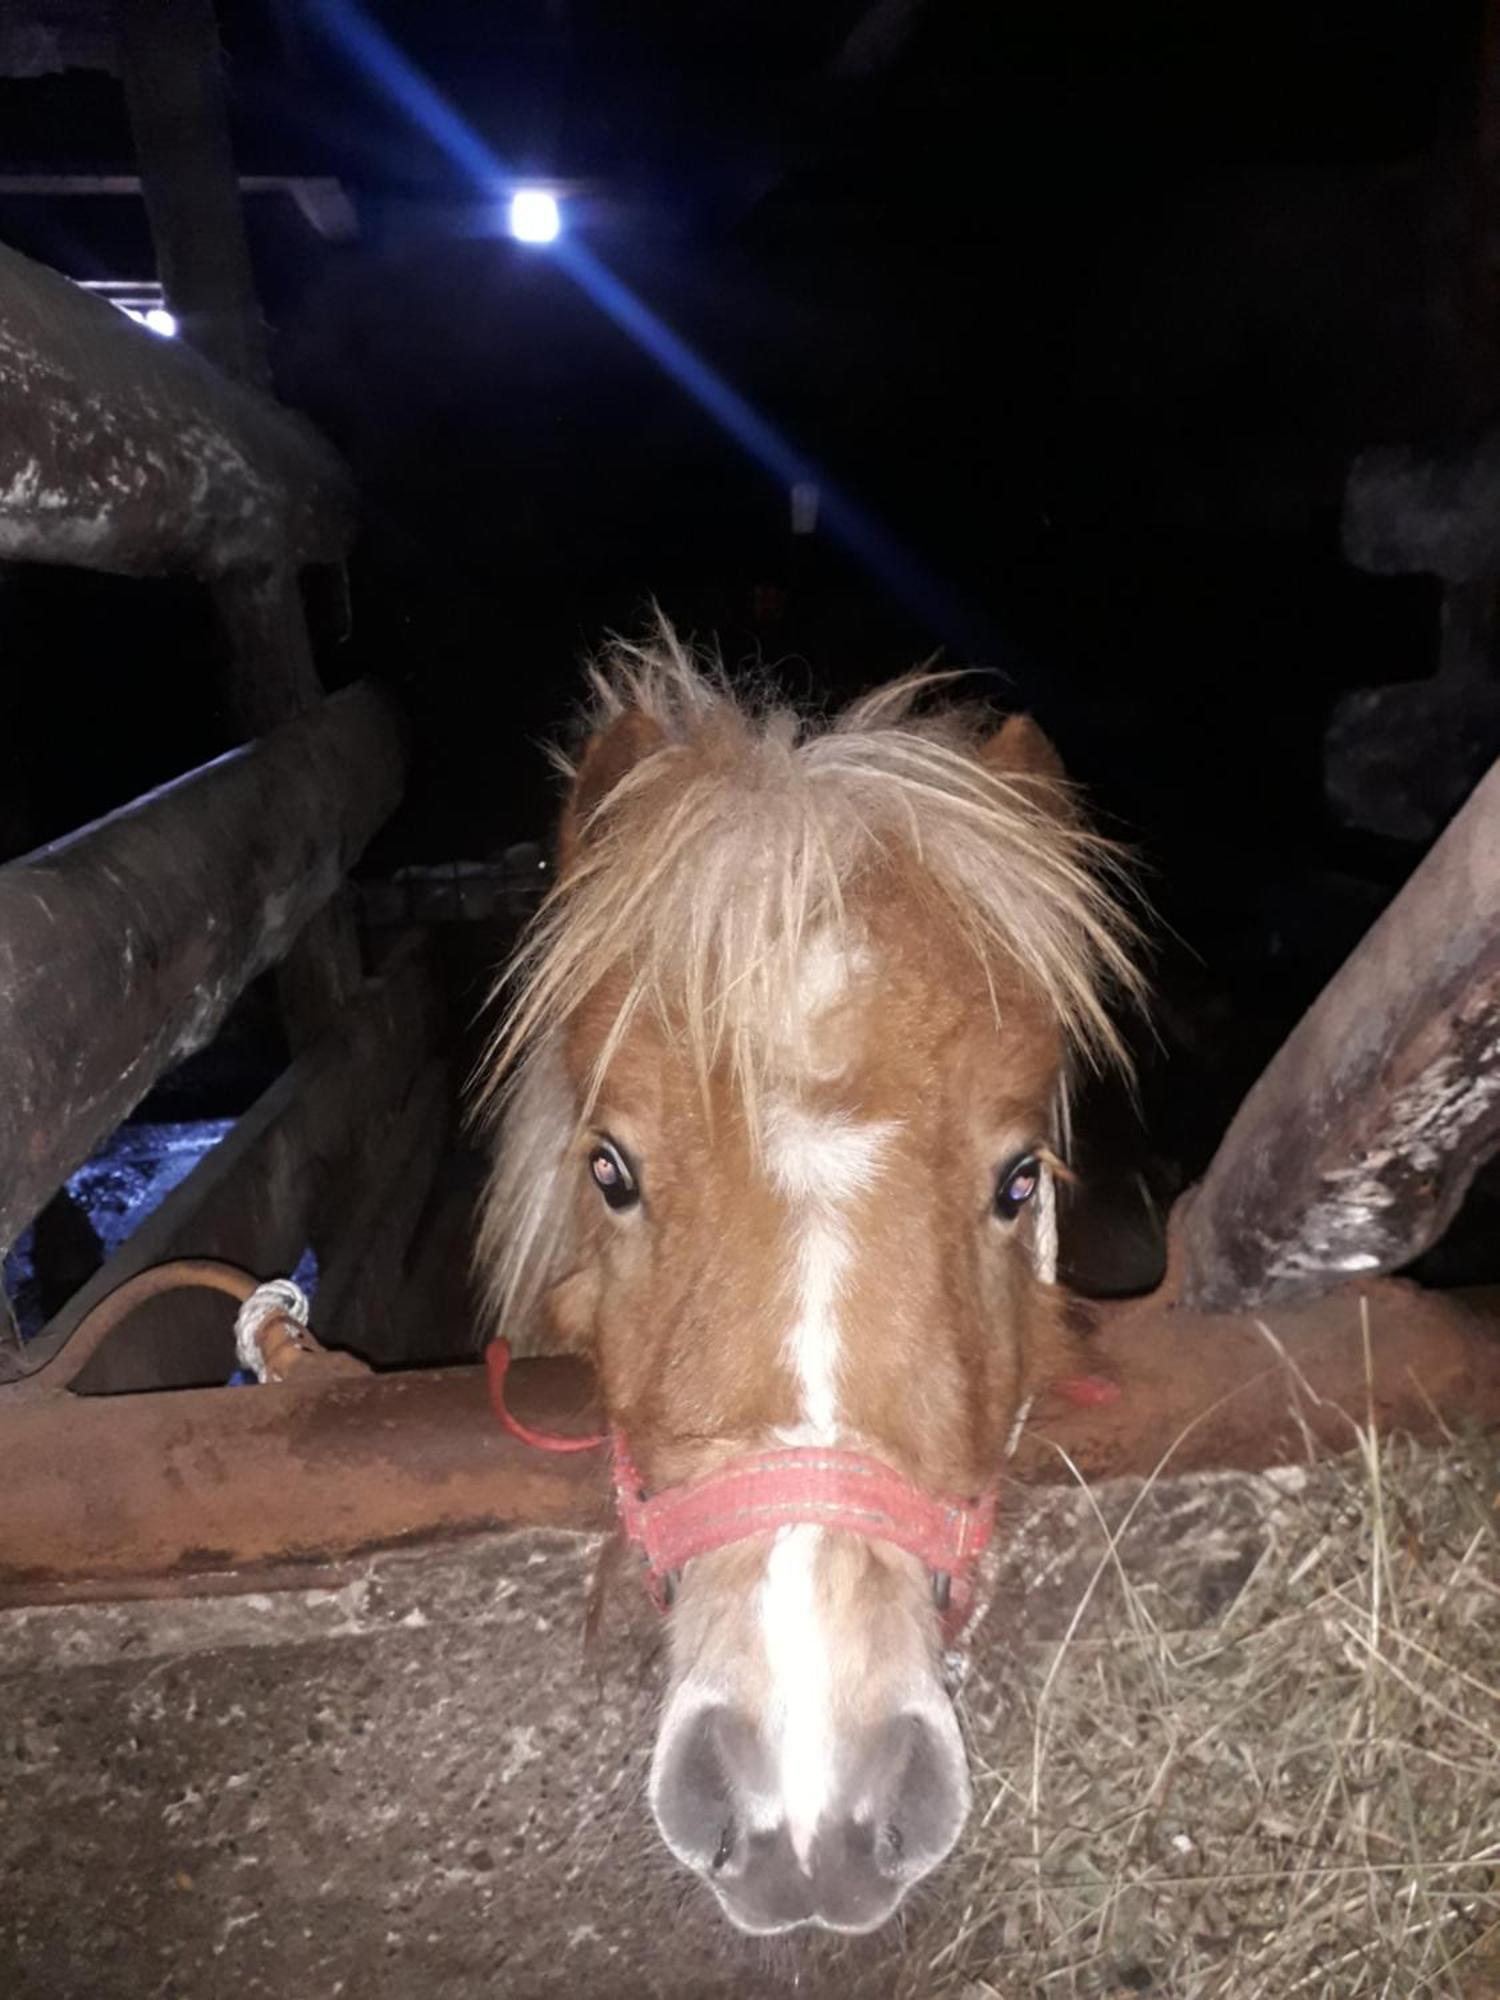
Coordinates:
534 216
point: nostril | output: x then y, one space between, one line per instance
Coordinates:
917 1792
705 1763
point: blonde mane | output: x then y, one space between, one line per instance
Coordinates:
707 867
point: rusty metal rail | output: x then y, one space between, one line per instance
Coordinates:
232 1488
111 1495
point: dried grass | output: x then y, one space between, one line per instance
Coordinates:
1249 1745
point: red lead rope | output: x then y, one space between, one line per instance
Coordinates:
497 1367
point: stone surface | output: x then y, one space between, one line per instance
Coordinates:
418 1785
414 1784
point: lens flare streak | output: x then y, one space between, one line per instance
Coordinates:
909 580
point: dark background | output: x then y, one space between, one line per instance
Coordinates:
1090 304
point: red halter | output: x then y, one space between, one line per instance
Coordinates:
785 1486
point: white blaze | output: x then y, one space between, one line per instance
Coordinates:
821 1164
799 1715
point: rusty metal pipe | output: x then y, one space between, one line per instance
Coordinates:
1202 1391
122 947
237 1488
115 1491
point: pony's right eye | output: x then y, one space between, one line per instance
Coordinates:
611 1172
1016 1185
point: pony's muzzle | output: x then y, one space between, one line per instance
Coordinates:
887 1825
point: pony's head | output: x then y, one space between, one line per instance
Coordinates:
786 1054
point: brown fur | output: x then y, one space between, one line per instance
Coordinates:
705 841
898 928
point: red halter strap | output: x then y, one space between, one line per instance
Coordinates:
805 1485
785 1486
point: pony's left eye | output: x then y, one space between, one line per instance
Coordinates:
1016 1185
611 1172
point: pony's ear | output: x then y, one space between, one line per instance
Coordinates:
1020 749
608 755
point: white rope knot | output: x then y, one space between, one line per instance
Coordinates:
279 1299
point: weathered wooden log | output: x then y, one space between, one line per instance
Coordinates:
123 451
122 947
1355 1148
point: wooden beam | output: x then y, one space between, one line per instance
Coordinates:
1411 510
321 200
122 947
174 92
1355 1148
362 1279
179 114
